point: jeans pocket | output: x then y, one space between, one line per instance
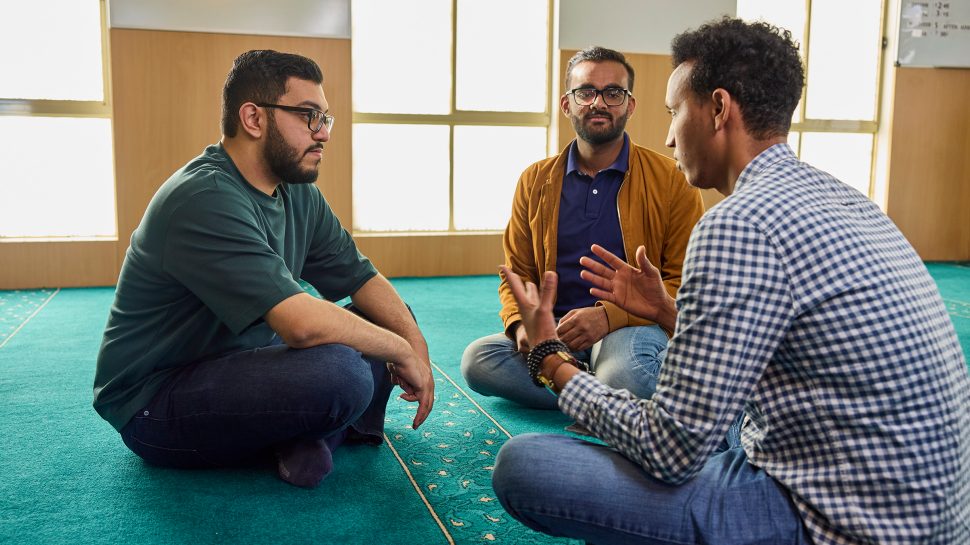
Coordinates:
142 437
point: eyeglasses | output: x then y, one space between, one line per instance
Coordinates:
612 96
315 119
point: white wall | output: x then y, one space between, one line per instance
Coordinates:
304 18
634 26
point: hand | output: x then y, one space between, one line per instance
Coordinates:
522 339
637 291
414 377
535 304
581 328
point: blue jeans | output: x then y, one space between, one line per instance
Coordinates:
628 358
567 487
237 408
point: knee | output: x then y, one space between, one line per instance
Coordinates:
480 359
336 373
632 359
515 477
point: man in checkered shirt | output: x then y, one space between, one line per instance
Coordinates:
803 306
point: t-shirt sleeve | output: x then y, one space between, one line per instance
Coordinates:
215 247
334 265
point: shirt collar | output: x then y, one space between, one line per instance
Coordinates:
621 164
761 162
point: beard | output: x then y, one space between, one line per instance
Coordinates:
284 160
603 135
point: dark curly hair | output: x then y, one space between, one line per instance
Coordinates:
757 63
260 75
599 54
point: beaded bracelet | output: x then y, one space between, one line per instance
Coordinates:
539 353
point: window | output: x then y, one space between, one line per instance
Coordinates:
835 125
451 103
56 164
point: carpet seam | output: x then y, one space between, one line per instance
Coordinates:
29 318
437 519
475 403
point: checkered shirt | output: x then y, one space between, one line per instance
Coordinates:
804 306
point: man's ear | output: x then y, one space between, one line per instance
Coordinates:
564 104
723 108
252 119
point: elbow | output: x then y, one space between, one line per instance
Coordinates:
298 338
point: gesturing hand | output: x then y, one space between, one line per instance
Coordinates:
535 304
637 291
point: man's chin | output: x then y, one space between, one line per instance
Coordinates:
309 178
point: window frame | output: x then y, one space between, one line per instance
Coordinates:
27 107
844 126
467 117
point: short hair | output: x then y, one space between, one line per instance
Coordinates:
260 75
757 63
599 54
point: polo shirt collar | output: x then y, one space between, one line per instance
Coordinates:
621 164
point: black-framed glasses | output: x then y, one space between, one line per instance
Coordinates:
315 119
612 96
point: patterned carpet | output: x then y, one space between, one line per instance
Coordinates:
427 486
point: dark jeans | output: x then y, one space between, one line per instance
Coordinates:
234 409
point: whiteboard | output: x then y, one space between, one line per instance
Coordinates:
934 33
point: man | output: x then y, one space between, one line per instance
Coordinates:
804 306
214 355
601 189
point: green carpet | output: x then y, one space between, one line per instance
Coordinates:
65 476
953 279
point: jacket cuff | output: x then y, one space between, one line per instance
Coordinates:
618 318
615 316
510 323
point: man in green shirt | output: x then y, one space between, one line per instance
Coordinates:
214 355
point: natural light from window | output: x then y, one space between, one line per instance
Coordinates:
847 156
401 177
56 177
413 76
446 119
52 50
483 186
521 54
56 155
835 124
842 58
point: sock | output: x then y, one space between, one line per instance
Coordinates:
304 462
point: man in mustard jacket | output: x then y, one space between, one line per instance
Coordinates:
601 189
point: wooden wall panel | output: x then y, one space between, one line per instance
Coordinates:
167 90
434 255
58 264
929 165
650 121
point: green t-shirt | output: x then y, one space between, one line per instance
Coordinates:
211 256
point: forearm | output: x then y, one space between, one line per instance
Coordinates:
380 302
303 321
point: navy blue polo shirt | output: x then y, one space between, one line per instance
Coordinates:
587 215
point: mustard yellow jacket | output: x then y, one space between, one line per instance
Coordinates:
656 206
